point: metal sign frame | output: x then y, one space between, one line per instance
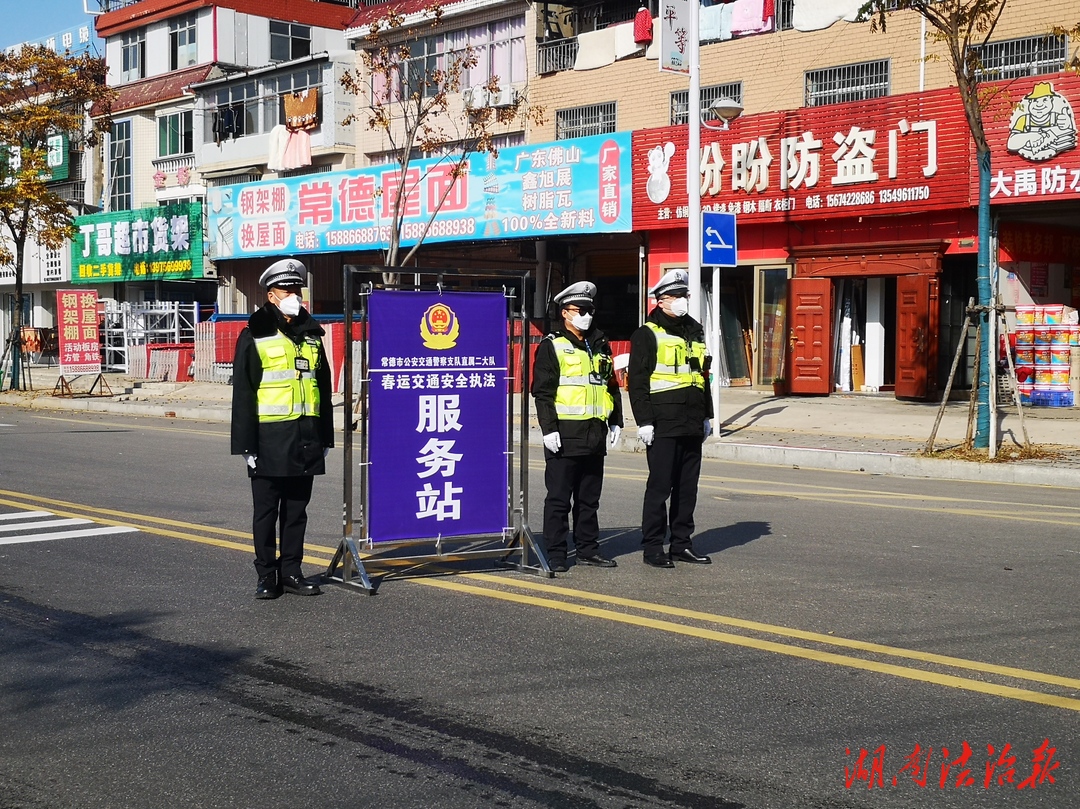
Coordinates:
358 557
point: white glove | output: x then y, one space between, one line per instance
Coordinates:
553 441
325 451
250 460
614 434
708 428
645 434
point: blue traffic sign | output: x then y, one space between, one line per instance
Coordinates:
718 245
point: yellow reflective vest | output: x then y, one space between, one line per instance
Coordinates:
674 366
583 383
288 389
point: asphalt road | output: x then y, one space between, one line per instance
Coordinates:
844 613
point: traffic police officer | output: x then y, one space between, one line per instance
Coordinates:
579 407
282 423
669 395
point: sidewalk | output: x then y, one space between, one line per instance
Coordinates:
875 434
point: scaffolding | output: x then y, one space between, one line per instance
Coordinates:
129 327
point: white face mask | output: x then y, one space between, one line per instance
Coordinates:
289 305
680 306
581 322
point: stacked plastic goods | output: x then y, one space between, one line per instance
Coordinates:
1043 355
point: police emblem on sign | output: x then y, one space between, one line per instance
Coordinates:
439 327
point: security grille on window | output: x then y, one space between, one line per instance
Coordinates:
289 40
594 119
1017 58
785 15
54 265
133 56
680 100
183 51
174 134
836 85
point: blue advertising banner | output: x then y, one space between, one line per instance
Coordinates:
579 185
438 399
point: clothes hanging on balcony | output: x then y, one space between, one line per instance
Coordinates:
714 23
297 150
752 16
302 110
228 122
277 142
643 26
817 15
595 49
624 40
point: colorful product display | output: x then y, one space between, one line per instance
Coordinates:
1042 349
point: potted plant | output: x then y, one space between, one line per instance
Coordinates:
778 386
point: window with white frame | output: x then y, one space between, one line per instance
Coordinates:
1017 58
836 85
680 100
175 134
235 113
276 88
133 56
120 166
54 265
289 40
183 50
593 119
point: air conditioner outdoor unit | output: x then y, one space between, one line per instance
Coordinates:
507 97
476 98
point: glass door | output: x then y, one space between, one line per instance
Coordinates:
772 324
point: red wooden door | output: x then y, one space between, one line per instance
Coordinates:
809 358
914 338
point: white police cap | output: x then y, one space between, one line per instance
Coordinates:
673 282
285 273
582 292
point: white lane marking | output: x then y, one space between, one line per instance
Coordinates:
43 524
25 515
86 532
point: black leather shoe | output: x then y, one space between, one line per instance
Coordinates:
268 586
688 555
658 560
558 566
298 585
596 560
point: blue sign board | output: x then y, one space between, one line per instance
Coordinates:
437 420
718 245
579 185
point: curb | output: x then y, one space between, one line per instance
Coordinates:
870 463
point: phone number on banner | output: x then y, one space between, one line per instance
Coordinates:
409 232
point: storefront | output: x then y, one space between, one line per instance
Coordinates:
857 241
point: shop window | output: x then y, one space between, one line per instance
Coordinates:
1018 58
578 122
680 100
289 40
836 85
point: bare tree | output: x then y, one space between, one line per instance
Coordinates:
42 94
411 81
961 27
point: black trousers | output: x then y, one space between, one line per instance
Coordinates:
280 504
579 479
674 469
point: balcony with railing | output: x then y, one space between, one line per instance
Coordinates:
558 49
173 163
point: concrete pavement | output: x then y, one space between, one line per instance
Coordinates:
875 434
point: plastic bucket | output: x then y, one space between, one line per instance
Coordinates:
1059 335
1025 373
1044 374
1025 355
1042 335
1041 355
1053 313
1025 315
1060 355
1025 336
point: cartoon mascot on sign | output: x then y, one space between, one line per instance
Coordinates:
1043 125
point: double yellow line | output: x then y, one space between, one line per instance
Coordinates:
1063 692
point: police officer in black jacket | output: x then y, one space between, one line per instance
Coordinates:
282 423
579 407
669 395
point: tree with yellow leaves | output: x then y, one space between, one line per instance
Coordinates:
42 94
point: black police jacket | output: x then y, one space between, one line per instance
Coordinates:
679 412
585 437
282 448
